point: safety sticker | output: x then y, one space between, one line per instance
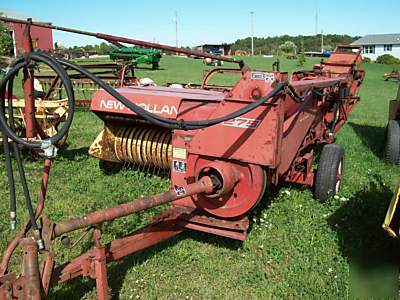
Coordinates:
180 190
179 166
180 153
268 77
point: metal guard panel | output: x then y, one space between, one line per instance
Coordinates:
251 138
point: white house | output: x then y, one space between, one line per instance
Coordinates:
375 45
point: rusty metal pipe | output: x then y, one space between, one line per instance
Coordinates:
108 37
33 289
28 84
203 185
48 267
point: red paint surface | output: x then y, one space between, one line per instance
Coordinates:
42 38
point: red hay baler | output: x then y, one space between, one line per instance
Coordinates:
224 146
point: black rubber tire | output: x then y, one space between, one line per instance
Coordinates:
392 142
329 172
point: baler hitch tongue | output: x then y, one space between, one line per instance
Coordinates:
204 185
392 219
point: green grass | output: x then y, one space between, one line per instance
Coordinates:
297 247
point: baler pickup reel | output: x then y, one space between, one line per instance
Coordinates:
223 146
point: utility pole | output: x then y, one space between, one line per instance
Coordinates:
175 20
322 41
252 32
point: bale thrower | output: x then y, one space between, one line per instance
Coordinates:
224 146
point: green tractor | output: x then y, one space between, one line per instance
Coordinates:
137 55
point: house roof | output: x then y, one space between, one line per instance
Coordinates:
214 45
378 39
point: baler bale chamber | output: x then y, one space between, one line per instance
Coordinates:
223 147
273 142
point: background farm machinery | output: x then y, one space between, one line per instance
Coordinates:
114 74
224 146
392 133
136 56
394 75
119 73
392 155
49 114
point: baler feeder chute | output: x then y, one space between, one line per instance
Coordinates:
139 144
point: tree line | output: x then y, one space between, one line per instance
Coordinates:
102 48
270 45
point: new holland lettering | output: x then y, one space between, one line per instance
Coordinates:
157 109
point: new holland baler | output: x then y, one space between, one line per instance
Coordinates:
223 147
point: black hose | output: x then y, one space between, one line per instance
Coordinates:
18 159
295 96
22 178
170 123
20 63
10 174
155 119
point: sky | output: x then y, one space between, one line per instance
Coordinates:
208 21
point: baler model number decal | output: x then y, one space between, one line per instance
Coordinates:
268 77
243 123
153 108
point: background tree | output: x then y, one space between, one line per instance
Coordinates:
6 41
270 45
302 56
288 47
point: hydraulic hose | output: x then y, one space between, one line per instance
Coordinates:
20 63
11 182
10 175
158 120
169 123
20 166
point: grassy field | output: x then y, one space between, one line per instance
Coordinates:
297 247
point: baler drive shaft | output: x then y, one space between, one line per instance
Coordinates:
203 185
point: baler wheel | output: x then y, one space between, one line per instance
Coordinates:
392 142
330 172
